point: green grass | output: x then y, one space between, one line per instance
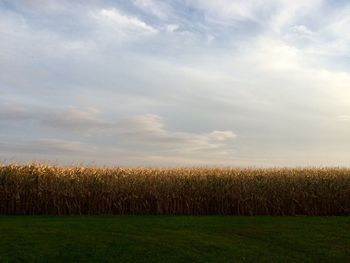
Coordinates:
174 239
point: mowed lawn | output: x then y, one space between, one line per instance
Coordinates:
174 239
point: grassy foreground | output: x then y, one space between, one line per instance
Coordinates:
174 239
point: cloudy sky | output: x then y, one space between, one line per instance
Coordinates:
175 82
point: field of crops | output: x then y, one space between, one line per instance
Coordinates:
45 189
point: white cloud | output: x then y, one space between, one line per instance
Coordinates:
12 112
226 10
172 27
150 130
345 118
288 13
300 30
74 118
142 124
260 68
22 42
333 38
46 146
123 24
275 13
275 54
144 134
222 135
154 7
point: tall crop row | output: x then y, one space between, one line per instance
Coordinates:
43 189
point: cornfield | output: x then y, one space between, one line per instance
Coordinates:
45 189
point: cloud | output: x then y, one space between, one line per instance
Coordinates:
146 135
344 118
161 82
147 132
122 24
48 146
142 124
288 13
12 112
143 138
274 54
222 135
139 136
77 119
156 8
172 27
225 10
276 13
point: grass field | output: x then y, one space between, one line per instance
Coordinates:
174 239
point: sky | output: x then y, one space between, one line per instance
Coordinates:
175 82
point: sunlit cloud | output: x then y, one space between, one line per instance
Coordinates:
175 82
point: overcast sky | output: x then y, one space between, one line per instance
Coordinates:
175 82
